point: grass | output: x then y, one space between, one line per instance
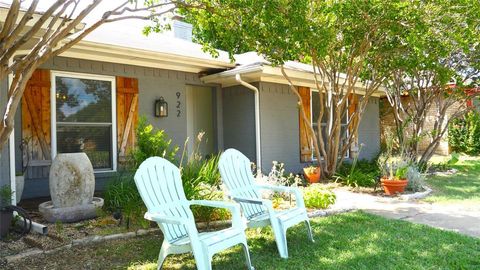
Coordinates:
348 241
464 186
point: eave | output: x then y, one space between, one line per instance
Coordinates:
265 73
131 56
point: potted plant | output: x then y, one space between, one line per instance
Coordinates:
312 174
6 213
396 181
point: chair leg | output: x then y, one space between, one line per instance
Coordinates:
280 238
247 256
162 256
202 258
309 229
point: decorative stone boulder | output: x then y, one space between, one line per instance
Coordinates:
72 184
72 181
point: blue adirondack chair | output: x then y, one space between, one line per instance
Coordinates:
160 187
237 176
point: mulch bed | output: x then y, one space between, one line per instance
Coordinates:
60 234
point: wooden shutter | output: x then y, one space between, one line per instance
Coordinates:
36 119
127 114
352 107
305 140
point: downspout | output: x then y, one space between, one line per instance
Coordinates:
238 78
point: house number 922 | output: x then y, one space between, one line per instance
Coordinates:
179 112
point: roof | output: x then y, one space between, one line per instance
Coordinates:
124 41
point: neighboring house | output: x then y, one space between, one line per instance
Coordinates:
89 100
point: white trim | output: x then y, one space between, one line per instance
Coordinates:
311 121
95 51
11 149
13 180
53 110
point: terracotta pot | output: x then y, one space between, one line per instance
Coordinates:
312 177
392 187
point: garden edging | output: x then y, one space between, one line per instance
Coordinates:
416 195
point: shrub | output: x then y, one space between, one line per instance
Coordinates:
277 176
446 165
121 196
6 194
362 174
464 134
317 196
201 181
415 179
151 143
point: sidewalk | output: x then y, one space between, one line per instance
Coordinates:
464 219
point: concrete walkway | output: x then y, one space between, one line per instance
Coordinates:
462 218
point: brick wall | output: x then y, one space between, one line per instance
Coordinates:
387 121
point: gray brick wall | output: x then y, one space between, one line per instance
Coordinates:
279 127
238 108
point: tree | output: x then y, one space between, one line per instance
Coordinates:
49 33
344 41
431 75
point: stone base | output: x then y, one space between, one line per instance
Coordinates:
70 214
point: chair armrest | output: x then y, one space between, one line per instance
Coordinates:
250 200
276 188
157 217
293 190
217 204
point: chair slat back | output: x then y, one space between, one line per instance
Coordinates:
160 186
236 172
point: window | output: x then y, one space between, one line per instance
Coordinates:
315 107
83 116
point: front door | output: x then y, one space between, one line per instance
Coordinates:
200 120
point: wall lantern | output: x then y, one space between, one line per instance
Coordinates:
161 108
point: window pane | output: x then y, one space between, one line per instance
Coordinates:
83 100
95 141
316 108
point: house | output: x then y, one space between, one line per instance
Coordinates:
89 98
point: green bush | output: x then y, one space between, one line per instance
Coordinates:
6 194
121 196
317 196
362 174
464 134
151 143
201 181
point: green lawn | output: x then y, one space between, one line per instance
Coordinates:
346 241
463 186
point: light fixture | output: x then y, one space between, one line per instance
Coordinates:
161 108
